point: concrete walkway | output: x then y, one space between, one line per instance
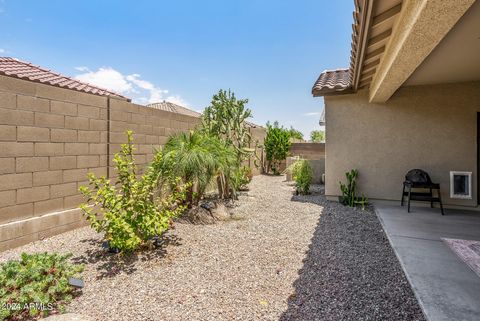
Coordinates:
445 286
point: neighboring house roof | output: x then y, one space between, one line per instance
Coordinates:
13 67
373 22
174 108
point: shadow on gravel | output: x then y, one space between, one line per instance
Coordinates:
350 271
110 264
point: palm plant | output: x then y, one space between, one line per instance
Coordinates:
197 158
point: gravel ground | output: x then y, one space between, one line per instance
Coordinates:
282 257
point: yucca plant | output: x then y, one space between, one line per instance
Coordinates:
198 158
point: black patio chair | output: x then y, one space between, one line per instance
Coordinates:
417 178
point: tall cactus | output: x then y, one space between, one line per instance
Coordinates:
225 118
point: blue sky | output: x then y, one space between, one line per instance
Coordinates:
185 50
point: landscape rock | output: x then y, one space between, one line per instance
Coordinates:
199 215
220 212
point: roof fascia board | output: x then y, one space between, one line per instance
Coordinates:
364 23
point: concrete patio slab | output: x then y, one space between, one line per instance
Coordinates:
445 286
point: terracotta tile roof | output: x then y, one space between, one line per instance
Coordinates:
331 81
13 67
174 108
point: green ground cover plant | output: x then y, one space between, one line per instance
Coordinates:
36 285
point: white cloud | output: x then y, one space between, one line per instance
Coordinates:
142 91
312 114
108 78
177 100
2 51
156 94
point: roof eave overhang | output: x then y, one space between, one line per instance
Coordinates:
362 20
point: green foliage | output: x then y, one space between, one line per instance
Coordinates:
349 191
295 134
302 174
130 211
277 145
35 285
225 119
317 136
198 158
241 177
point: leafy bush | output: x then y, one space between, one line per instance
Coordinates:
129 211
36 285
349 191
198 158
277 145
317 136
302 173
241 177
295 134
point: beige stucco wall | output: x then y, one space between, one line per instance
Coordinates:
430 127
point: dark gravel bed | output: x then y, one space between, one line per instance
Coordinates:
351 271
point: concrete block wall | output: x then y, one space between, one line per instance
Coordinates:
308 150
50 138
151 128
315 153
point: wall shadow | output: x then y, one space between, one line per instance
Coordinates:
110 264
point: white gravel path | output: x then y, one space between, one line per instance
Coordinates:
244 269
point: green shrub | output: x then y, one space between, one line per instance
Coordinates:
277 146
349 191
317 136
36 285
241 177
302 174
130 211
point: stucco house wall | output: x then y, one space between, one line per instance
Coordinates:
432 127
